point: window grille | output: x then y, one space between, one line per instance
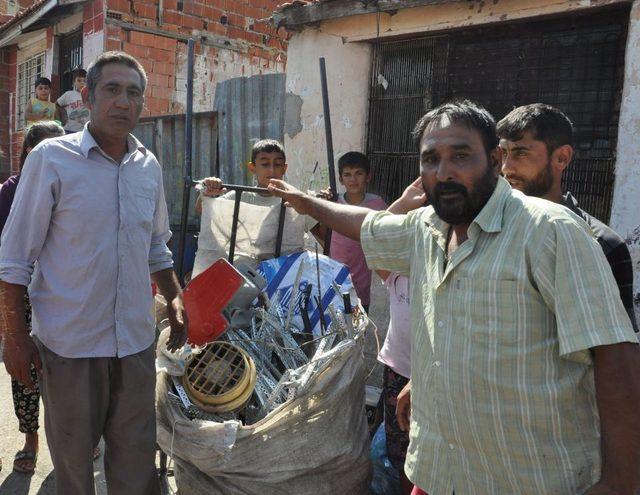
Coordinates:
28 72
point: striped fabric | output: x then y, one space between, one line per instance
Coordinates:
503 397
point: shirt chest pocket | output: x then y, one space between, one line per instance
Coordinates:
143 207
495 311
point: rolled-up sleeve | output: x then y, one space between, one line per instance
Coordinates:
159 253
388 241
26 229
576 282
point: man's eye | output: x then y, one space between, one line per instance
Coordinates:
461 156
429 160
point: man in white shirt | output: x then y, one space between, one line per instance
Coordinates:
90 209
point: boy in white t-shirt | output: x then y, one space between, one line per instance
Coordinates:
70 107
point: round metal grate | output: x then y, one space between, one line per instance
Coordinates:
220 378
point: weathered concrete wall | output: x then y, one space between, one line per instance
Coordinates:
348 71
625 218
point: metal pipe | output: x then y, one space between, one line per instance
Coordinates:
188 146
234 225
329 142
281 218
235 187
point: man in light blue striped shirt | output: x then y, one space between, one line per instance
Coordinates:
90 210
525 367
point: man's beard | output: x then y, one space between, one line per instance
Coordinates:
539 186
463 208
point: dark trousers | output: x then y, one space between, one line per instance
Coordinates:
86 398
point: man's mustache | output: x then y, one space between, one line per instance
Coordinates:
449 187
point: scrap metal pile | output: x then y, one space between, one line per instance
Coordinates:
274 334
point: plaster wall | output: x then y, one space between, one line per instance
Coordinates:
348 72
92 47
625 218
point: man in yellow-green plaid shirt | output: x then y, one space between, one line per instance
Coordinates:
525 367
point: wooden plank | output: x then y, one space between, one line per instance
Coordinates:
298 16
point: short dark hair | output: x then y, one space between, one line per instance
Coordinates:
546 123
267 146
353 159
42 81
466 113
78 72
37 132
95 69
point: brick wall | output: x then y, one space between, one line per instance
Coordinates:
254 45
8 57
92 17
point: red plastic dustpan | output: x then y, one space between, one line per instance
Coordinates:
204 299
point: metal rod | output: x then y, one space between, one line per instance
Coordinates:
188 145
234 226
323 323
281 218
235 187
329 142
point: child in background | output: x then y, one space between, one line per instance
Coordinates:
26 401
71 109
355 174
268 161
39 107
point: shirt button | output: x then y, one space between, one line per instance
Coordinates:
451 446
436 364
440 324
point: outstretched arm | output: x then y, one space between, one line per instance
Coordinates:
344 219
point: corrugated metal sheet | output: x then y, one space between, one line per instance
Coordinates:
165 137
249 109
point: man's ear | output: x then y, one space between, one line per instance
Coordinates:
252 167
84 92
286 166
495 157
561 157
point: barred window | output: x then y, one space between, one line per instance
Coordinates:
28 72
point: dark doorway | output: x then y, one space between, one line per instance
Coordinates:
70 58
575 63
